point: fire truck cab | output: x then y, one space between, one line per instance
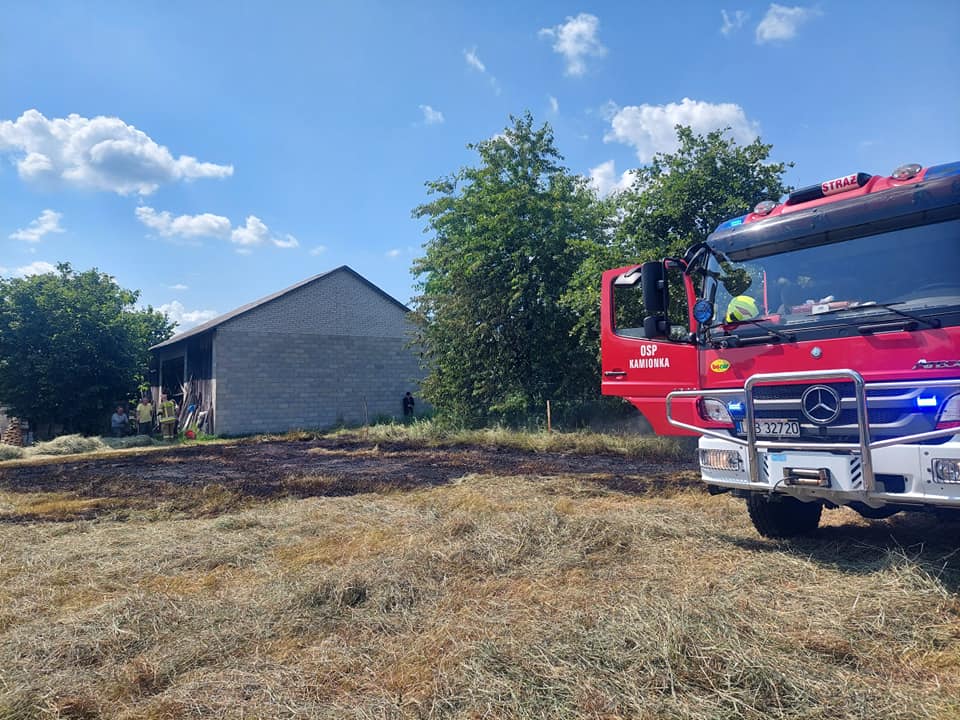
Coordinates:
813 345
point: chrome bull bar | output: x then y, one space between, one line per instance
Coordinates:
864 448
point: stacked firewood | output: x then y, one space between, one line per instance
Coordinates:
12 435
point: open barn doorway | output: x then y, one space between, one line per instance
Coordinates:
172 378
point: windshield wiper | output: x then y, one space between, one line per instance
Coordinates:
786 337
891 307
904 314
782 336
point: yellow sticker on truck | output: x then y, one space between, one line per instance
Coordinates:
720 365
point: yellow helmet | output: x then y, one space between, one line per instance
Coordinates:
742 307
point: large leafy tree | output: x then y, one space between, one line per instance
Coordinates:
507 234
675 201
682 196
71 345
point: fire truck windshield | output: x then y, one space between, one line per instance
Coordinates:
910 272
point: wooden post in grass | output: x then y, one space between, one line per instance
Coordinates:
549 428
366 419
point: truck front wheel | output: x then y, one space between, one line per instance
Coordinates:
782 516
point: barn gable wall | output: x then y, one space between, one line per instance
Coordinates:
311 359
337 304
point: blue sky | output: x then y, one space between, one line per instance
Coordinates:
212 153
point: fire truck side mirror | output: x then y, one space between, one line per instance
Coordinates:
656 299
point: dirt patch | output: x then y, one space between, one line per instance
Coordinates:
206 480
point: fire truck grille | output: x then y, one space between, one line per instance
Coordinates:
891 413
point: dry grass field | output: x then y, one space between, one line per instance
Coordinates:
335 579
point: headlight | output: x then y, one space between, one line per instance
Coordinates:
721 460
950 413
946 471
714 410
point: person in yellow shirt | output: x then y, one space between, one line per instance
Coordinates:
144 416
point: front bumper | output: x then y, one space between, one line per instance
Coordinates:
891 470
903 474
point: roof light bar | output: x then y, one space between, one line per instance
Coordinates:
905 172
764 207
828 188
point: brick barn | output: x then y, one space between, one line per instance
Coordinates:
331 349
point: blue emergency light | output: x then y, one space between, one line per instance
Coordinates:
945 170
733 222
703 311
926 402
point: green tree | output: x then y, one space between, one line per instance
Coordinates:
674 202
507 236
71 345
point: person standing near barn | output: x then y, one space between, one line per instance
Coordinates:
168 417
144 416
408 404
119 422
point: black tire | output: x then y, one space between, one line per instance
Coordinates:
782 516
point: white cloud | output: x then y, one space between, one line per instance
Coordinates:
607 110
178 286
48 222
184 226
395 252
732 22
318 250
650 129
781 22
255 232
474 61
431 116
288 241
100 153
252 233
554 104
576 40
604 178
186 318
34 268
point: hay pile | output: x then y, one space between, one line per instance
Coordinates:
131 441
10 452
74 444
67 445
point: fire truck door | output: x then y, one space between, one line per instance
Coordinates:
639 369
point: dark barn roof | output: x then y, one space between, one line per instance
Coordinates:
221 319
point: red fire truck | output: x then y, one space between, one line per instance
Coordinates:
813 345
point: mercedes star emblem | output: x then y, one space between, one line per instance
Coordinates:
820 404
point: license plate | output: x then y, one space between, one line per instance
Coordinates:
772 427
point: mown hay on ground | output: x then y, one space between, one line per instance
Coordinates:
67 445
10 452
130 441
426 433
525 597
